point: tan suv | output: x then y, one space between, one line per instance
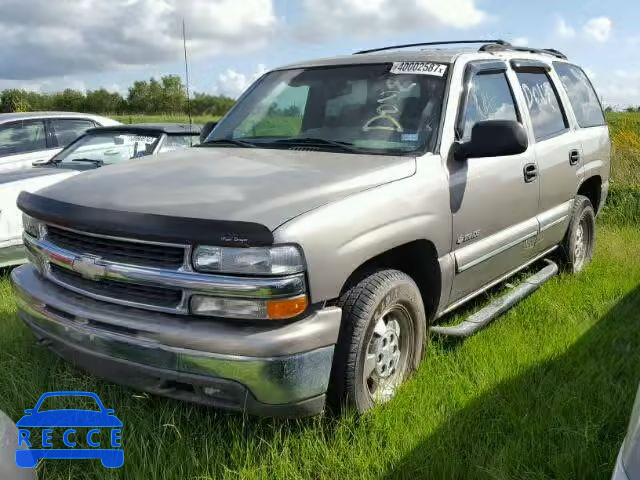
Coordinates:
342 207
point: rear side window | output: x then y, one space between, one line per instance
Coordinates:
490 98
543 103
582 96
67 130
22 137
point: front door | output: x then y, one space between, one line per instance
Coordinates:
494 200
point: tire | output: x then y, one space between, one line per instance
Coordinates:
578 246
384 328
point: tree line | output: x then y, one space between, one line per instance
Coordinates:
164 96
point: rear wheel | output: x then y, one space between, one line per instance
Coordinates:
381 340
579 243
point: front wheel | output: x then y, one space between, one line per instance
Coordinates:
382 339
579 243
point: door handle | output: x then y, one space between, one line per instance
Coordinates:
530 172
574 157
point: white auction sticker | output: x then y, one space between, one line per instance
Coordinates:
419 68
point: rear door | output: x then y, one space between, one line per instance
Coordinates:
592 129
494 203
557 148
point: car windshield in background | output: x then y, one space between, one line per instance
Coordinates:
380 108
178 142
105 148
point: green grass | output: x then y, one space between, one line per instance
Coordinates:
543 393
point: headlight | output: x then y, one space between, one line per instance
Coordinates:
280 260
31 225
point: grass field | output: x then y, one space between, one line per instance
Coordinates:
543 393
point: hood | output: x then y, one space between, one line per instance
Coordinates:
27 174
264 186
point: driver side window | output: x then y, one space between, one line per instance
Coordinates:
490 98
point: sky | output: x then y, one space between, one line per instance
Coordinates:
48 45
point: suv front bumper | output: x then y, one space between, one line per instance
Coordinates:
272 369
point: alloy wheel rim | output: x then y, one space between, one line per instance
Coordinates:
386 359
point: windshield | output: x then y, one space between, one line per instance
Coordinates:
105 148
387 108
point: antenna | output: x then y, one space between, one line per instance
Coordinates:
186 70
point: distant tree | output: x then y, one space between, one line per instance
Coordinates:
69 100
168 95
173 95
205 104
608 109
103 101
14 101
164 96
139 98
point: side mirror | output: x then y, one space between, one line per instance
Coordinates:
206 130
29 411
494 138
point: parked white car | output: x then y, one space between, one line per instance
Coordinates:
96 148
37 136
628 464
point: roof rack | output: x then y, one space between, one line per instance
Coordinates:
427 44
489 46
493 47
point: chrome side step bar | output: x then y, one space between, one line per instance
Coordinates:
479 320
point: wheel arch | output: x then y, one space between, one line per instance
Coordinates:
418 259
591 188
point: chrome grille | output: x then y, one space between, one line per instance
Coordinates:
115 250
127 292
91 268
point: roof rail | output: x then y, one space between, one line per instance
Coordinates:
427 44
493 47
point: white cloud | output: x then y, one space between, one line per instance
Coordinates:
376 18
598 28
232 83
34 86
563 29
43 38
520 41
620 89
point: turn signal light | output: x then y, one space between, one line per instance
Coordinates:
286 308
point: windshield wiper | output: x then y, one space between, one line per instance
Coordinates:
229 142
97 163
313 141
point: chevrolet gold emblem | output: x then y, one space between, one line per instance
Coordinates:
89 268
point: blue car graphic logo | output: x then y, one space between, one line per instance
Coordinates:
100 423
